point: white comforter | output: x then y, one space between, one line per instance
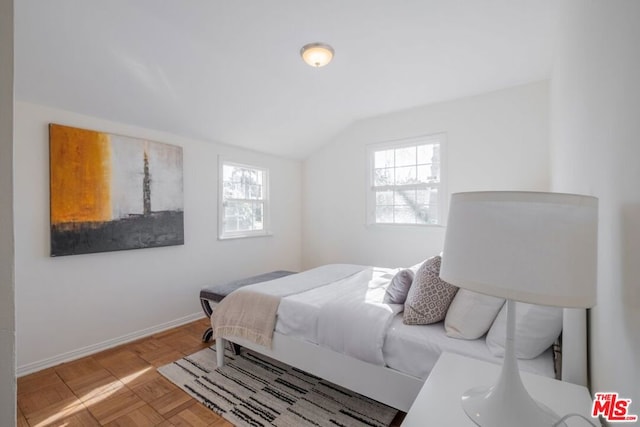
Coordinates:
355 322
347 315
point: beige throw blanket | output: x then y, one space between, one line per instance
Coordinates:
246 314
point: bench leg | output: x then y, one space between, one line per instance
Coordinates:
220 351
207 335
235 349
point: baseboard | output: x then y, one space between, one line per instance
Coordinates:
95 348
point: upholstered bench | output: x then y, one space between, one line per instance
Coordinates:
210 296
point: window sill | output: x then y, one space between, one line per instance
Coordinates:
407 226
245 236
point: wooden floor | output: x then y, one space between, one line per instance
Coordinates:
119 387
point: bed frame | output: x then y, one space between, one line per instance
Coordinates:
389 386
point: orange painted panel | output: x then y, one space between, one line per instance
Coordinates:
80 169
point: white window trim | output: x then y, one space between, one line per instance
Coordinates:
443 199
266 221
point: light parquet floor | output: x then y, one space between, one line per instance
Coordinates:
119 387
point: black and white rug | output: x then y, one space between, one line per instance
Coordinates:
254 390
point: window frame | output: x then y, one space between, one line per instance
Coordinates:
266 214
443 195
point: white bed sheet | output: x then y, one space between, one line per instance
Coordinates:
414 350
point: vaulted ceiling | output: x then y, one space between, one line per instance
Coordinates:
230 71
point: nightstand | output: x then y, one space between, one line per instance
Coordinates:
438 403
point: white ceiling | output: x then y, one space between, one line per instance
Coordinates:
230 71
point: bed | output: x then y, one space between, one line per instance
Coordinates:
331 322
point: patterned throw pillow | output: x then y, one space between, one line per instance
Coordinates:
429 296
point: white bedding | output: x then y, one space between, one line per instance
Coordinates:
356 320
324 312
305 281
299 314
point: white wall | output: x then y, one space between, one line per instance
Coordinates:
7 300
68 306
595 133
496 141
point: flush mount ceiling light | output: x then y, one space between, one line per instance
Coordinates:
317 54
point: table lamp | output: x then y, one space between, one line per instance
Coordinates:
537 248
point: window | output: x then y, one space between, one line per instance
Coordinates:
406 182
244 195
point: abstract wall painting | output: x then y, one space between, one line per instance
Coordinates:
111 192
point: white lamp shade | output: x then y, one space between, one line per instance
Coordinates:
539 248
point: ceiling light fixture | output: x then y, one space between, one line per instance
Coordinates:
317 54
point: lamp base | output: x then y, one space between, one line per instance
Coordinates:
487 409
507 403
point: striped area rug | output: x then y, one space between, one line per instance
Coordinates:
254 390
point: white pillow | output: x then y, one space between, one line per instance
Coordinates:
537 327
471 314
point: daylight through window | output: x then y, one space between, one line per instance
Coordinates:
244 204
405 185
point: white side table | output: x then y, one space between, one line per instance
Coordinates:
438 403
